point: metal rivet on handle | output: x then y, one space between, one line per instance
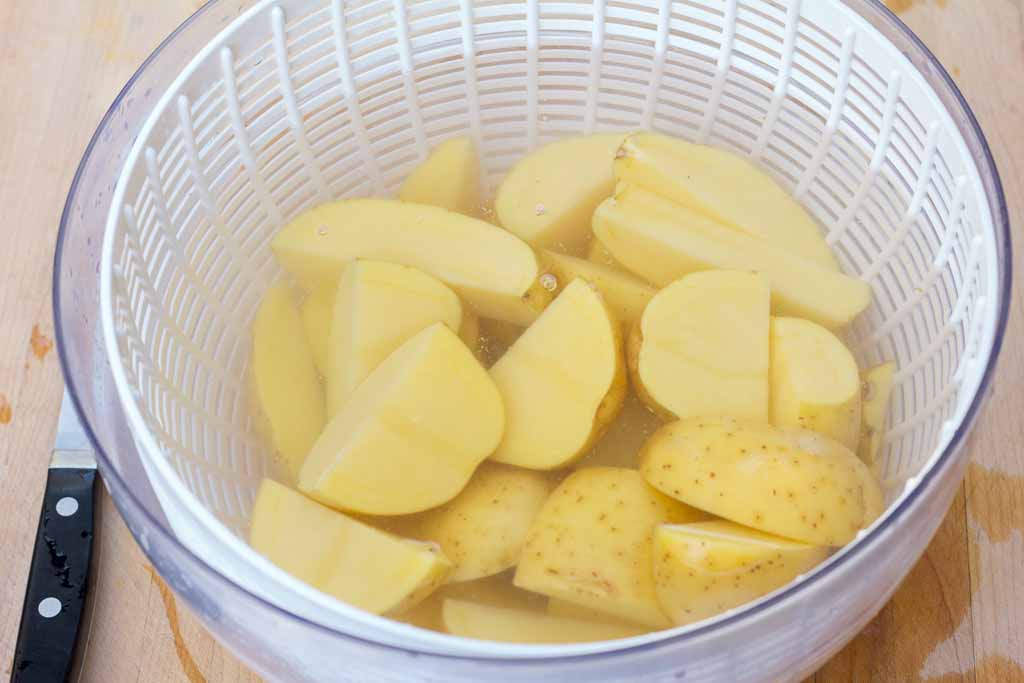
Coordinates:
50 607
67 506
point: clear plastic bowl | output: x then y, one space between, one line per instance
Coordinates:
939 263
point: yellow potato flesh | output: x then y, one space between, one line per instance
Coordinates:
449 178
484 622
482 530
815 383
591 543
661 241
562 381
702 347
596 253
377 308
496 591
493 270
786 481
620 445
285 378
412 434
342 557
876 389
548 197
625 294
704 569
317 310
726 187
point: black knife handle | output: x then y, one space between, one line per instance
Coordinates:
58 578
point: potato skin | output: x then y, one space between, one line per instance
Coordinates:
790 482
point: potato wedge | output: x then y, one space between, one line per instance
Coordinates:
570 610
413 432
815 382
876 389
329 551
317 310
701 347
482 530
562 382
377 308
706 568
786 481
494 591
484 622
625 294
493 270
285 379
449 178
548 197
661 241
727 188
591 543
620 445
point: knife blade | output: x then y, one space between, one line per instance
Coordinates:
59 573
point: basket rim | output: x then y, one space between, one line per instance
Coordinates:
970 130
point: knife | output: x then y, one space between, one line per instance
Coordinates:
59 575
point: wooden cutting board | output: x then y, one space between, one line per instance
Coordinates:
958 617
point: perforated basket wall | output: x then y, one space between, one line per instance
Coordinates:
301 101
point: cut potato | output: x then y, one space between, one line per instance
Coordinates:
661 241
786 481
620 445
591 543
449 178
469 333
570 610
724 186
285 378
876 388
484 622
412 434
547 198
596 253
701 347
342 557
625 294
704 569
482 529
493 270
317 310
815 383
495 591
562 382
378 307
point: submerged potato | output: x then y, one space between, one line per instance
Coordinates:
591 543
285 378
482 530
329 551
495 591
706 568
317 310
562 381
412 434
485 622
625 294
449 178
549 195
785 481
701 347
876 388
815 384
620 445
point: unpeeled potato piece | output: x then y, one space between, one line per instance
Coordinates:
591 543
341 556
786 481
706 568
413 432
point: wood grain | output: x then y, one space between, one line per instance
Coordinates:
958 617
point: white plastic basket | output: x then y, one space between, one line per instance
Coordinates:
301 101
